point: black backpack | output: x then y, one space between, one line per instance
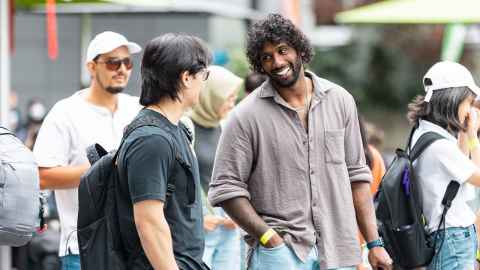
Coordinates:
398 203
98 232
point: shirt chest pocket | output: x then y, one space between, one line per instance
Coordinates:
335 146
182 184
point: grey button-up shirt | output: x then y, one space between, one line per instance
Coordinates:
298 182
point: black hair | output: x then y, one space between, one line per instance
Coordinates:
275 29
253 81
165 58
442 109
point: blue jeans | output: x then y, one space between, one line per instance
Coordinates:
243 253
70 262
458 250
283 258
222 249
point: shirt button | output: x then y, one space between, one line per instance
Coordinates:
304 142
311 172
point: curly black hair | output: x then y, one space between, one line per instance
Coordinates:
275 29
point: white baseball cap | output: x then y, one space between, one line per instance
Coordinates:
447 74
108 41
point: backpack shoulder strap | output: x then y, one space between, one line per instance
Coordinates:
142 121
148 120
422 143
96 151
139 122
186 130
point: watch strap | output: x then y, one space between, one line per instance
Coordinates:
375 243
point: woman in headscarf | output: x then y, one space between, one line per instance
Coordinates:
222 238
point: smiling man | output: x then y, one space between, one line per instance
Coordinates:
97 114
290 168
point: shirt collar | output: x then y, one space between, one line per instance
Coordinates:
98 109
426 126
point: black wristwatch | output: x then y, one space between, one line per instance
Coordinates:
375 243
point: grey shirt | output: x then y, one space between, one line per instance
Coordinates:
298 183
206 141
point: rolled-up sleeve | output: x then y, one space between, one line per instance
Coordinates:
233 163
358 170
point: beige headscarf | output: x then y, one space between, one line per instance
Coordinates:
221 83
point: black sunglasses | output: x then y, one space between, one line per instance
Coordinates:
115 64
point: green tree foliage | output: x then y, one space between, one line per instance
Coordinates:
383 67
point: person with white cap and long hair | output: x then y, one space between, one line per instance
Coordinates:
97 114
447 109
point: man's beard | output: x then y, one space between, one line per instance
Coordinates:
110 89
295 74
114 90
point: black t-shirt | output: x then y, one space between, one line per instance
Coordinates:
150 160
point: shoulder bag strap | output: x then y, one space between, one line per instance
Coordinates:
422 143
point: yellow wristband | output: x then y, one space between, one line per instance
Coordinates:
472 143
478 255
266 236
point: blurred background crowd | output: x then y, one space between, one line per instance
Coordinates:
377 59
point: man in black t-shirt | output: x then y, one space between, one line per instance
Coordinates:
158 193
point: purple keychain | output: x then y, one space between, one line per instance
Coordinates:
406 180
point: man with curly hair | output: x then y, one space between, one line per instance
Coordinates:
290 168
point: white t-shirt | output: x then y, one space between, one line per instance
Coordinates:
440 163
70 127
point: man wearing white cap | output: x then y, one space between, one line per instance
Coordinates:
97 114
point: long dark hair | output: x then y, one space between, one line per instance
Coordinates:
164 59
442 109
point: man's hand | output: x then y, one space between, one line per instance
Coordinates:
211 222
379 259
363 203
275 241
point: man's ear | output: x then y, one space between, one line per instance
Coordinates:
185 78
91 67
